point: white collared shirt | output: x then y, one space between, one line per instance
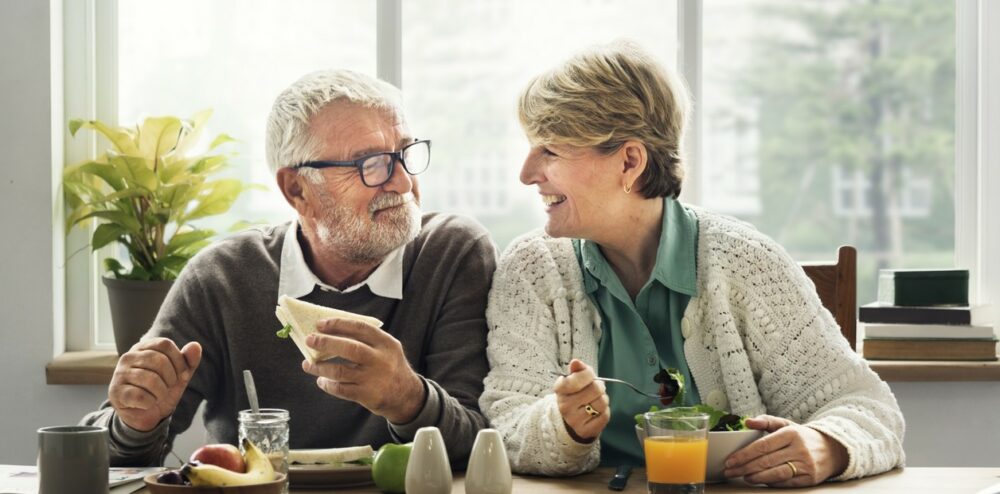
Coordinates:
296 279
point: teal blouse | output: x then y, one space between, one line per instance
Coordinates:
639 337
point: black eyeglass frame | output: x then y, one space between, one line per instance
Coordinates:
358 163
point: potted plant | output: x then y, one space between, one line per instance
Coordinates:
144 192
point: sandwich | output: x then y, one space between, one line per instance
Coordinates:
299 319
333 456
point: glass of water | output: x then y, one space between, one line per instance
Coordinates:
268 429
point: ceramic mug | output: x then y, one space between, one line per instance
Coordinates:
489 470
73 458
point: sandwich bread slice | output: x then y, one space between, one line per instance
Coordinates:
300 318
331 456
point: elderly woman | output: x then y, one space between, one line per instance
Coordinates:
626 280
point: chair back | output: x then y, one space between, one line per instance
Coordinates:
837 287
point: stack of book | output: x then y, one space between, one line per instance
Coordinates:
894 329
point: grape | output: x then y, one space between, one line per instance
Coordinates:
172 477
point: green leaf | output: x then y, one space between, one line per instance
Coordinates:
158 136
714 414
77 215
220 140
105 234
106 172
209 164
174 170
197 121
135 171
138 273
124 220
111 264
640 420
121 138
169 267
217 200
177 196
125 195
83 191
184 239
74 125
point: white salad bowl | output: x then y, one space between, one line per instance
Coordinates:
721 444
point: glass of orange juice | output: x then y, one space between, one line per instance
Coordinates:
676 448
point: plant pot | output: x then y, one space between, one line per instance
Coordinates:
134 305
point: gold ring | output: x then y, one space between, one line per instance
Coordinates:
795 471
594 413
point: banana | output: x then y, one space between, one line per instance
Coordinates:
259 471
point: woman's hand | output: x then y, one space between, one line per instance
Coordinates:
792 456
582 402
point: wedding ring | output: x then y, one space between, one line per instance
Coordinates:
795 471
593 413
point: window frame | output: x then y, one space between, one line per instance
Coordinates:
89 41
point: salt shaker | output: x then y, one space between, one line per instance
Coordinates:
489 470
428 471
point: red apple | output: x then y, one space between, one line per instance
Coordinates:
222 455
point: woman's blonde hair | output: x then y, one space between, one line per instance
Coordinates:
605 96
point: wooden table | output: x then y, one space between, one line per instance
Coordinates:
909 480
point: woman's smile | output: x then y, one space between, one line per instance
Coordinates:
552 200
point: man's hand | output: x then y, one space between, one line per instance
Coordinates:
376 375
814 456
582 401
149 380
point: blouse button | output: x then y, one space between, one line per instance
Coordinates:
718 400
651 359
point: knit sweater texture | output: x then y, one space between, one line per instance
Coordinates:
225 300
756 337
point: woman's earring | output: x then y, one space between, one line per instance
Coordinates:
628 189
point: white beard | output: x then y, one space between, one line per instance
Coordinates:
368 238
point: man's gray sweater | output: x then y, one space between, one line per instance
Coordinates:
225 300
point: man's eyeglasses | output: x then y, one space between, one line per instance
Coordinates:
376 169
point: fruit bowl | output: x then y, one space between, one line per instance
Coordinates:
273 487
721 444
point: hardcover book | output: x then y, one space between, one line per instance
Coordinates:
928 331
876 312
924 349
923 287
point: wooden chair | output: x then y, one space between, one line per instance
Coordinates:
837 286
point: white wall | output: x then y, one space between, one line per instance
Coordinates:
948 424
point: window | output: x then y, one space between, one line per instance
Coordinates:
821 122
829 123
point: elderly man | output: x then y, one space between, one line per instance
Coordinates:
344 159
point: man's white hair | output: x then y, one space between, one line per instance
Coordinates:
289 141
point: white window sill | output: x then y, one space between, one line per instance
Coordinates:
96 367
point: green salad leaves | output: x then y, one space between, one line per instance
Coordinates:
285 331
718 420
671 383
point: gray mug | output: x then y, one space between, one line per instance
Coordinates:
73 458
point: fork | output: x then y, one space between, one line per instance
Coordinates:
617 381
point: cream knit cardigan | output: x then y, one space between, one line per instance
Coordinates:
756 338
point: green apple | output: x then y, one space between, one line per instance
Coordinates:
389 467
